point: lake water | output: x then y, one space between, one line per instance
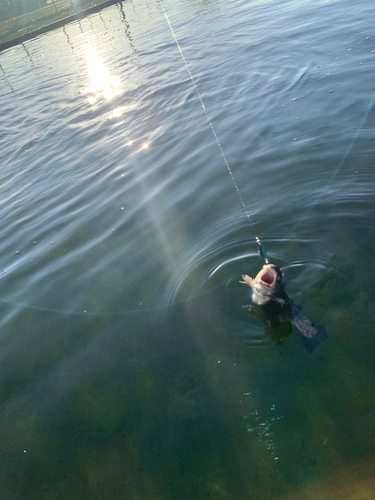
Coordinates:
128 367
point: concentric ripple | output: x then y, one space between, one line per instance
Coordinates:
208 283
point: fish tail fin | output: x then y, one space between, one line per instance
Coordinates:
311 343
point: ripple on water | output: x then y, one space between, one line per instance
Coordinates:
207 285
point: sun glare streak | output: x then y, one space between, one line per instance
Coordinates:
103 84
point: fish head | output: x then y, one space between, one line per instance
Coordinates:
268 283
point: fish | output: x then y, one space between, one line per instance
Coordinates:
278 311
266 285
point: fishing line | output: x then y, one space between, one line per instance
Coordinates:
345 157
342 162
90 315
261 249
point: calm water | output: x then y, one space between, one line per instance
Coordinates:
128 368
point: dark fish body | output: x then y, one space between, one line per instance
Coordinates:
311 335
271 300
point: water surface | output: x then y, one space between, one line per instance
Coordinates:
128 367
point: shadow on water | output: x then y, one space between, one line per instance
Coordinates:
195 403
106 401
193 400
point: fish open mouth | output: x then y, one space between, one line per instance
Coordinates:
269 276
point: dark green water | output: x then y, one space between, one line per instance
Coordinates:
128 368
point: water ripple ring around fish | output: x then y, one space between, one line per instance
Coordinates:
224 246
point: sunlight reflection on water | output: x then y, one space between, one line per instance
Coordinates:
103 84
124 344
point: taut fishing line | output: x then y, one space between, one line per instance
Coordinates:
342 162
337 170
261 249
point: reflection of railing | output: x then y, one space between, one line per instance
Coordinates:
20 17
